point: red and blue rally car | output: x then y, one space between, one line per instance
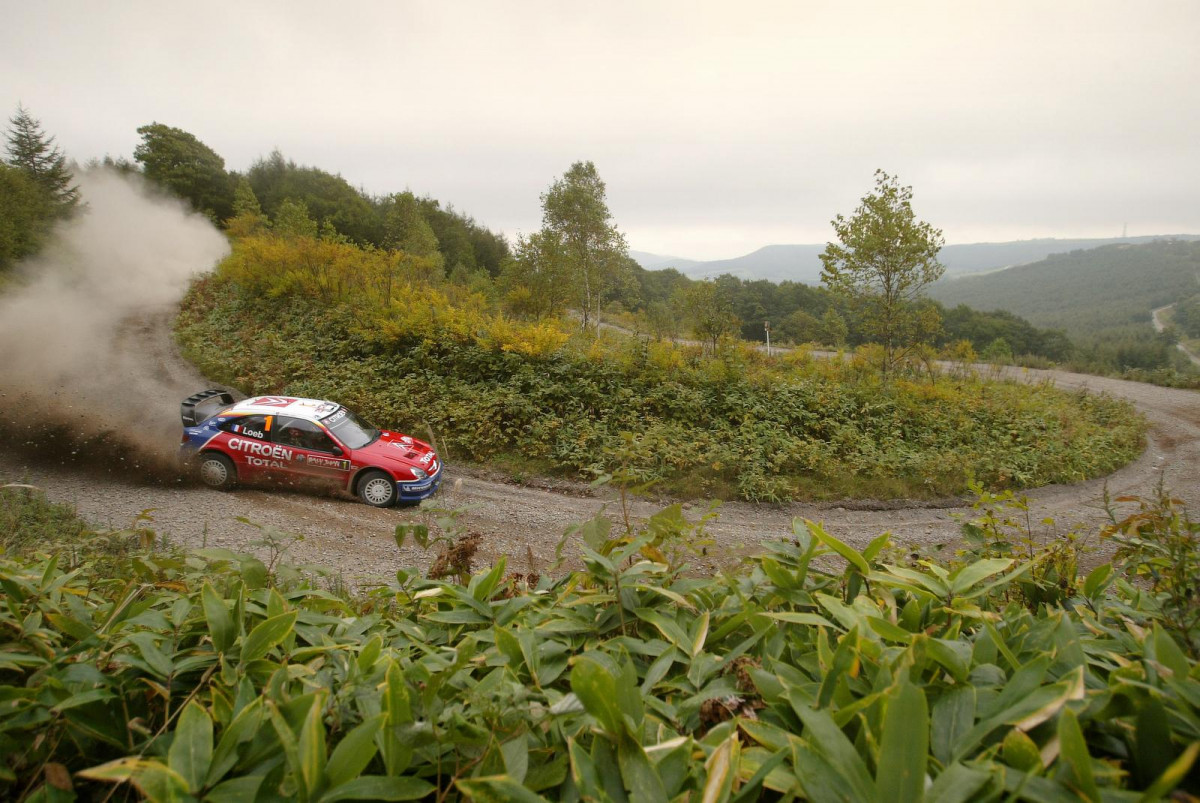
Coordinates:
285 438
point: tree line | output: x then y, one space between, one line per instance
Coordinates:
577 261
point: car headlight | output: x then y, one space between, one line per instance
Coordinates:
418 473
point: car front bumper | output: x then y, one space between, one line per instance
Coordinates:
421 489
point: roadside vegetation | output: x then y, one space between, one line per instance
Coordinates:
385 333
814 671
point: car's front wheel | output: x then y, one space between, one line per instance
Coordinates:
377 489
216 471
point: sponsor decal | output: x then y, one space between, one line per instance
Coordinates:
405 439
316 461
336 417
253 433
325 407
272 401
259 462
425 458
266 450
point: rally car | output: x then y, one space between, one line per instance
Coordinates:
286 438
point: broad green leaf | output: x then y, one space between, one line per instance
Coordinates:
583 771
151 654
497 789
369 653
235 790
1075 753
380 787
798 618
1167 653
876 546
73 627
667 626
851 555
354 752
953 656
598 681
1097 580
889 631
957 784
220 623
254 573
1153 750
967 576
953 716
920 583
845 661
639 775
823 781
720 768
515 753
510 648
827 739
904 749
154 780
291 749
266 635
1173 775
765 776
482 586
398 703
701 634
243 728
192 748
1020 752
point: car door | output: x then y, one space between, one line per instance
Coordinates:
312 454
247 441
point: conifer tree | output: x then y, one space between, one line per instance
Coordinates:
36 155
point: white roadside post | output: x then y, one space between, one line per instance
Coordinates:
767 326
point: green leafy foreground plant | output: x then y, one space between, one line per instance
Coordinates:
816 672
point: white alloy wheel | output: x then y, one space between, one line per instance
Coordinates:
377 489
217 471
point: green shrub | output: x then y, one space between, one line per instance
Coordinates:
816 671
763 430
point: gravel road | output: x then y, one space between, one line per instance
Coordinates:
521 521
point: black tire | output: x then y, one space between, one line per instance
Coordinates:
377 489
216 471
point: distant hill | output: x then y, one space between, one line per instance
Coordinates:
659 262
1087 293
801 263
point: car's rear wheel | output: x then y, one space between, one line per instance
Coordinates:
216 471
377 489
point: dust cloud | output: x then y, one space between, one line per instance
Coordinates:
87 368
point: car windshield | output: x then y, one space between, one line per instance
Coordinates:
348 429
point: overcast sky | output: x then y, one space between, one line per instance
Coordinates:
719 127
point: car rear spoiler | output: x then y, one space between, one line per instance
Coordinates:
187 410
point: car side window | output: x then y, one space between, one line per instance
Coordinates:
301 434
248 426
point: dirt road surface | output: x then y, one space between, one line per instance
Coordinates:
520 521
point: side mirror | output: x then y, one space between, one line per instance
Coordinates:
337 451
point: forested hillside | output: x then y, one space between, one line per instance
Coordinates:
1102 298
801 262
1087 293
